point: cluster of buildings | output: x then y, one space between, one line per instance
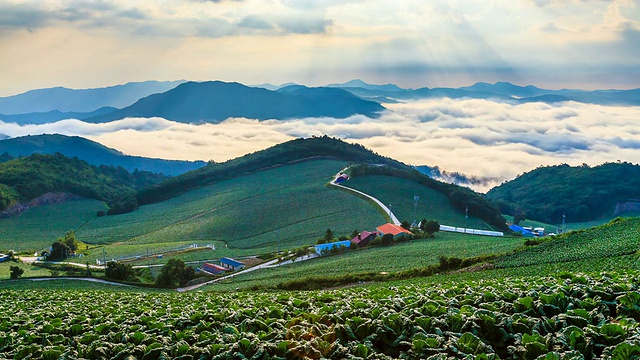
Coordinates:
226 264
527 231
363 239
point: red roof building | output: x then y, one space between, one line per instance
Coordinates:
213 268
363 238
395 230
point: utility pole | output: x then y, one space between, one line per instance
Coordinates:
104 258
563 218
466 216
415 208
278 237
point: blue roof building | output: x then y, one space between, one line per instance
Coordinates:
229 263
323 249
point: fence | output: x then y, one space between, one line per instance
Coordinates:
158 252
470 231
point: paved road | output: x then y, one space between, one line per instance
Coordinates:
394 219
254 268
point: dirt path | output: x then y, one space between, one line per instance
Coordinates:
81 279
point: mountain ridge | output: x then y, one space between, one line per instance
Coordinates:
92 152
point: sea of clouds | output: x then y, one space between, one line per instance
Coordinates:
483 138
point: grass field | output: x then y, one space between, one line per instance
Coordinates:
402 256
29 270
399 193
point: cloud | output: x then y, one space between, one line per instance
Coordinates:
475 137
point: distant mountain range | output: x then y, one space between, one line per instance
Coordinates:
497 91
81 100
216 101
93 153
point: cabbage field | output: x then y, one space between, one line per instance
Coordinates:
568 316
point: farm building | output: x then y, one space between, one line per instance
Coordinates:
395 230
213 268
521 230
363 239
4 258
323 249
342 178
231 264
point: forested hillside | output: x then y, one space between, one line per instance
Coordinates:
26 178
582 193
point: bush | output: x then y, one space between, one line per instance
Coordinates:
387 239
120 271
175 273
16 272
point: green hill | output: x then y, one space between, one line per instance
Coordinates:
582 193
91 152
443 202
27 178
289 202
288 152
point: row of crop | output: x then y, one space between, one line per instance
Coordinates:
617 238
571 316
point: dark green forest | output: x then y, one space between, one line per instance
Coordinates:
460 197
583 193
26 178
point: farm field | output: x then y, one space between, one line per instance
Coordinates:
399 193
244 212
524 318
619 237
403 256
38 227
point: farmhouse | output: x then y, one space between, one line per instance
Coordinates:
231 264
363 239
213 269
395 230
323 249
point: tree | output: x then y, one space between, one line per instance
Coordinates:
387 239
175 273
59 251
70 240
16 272
354 233
119 271
328 236
405 224
519 216
431 227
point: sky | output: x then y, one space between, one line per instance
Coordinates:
555 44
93 43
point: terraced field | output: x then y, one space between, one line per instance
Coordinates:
399 193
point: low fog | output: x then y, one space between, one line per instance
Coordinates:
482 138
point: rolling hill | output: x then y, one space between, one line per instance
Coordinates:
581 193
216 101
27 178
93 153
240 203
81 100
